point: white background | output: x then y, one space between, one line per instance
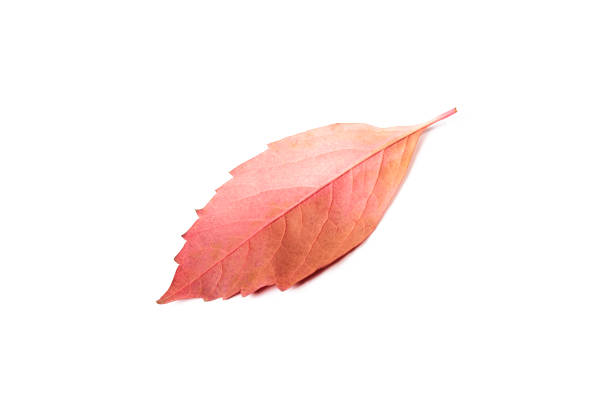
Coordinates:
487 284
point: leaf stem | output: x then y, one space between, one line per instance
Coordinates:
439 118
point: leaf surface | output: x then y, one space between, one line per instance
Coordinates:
293 209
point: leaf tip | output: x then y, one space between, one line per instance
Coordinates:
166 298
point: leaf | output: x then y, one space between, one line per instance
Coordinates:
295 208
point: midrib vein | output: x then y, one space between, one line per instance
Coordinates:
369 156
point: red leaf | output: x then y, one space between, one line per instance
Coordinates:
295 208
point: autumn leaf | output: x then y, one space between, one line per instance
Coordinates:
295 208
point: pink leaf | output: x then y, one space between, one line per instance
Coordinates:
295 208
